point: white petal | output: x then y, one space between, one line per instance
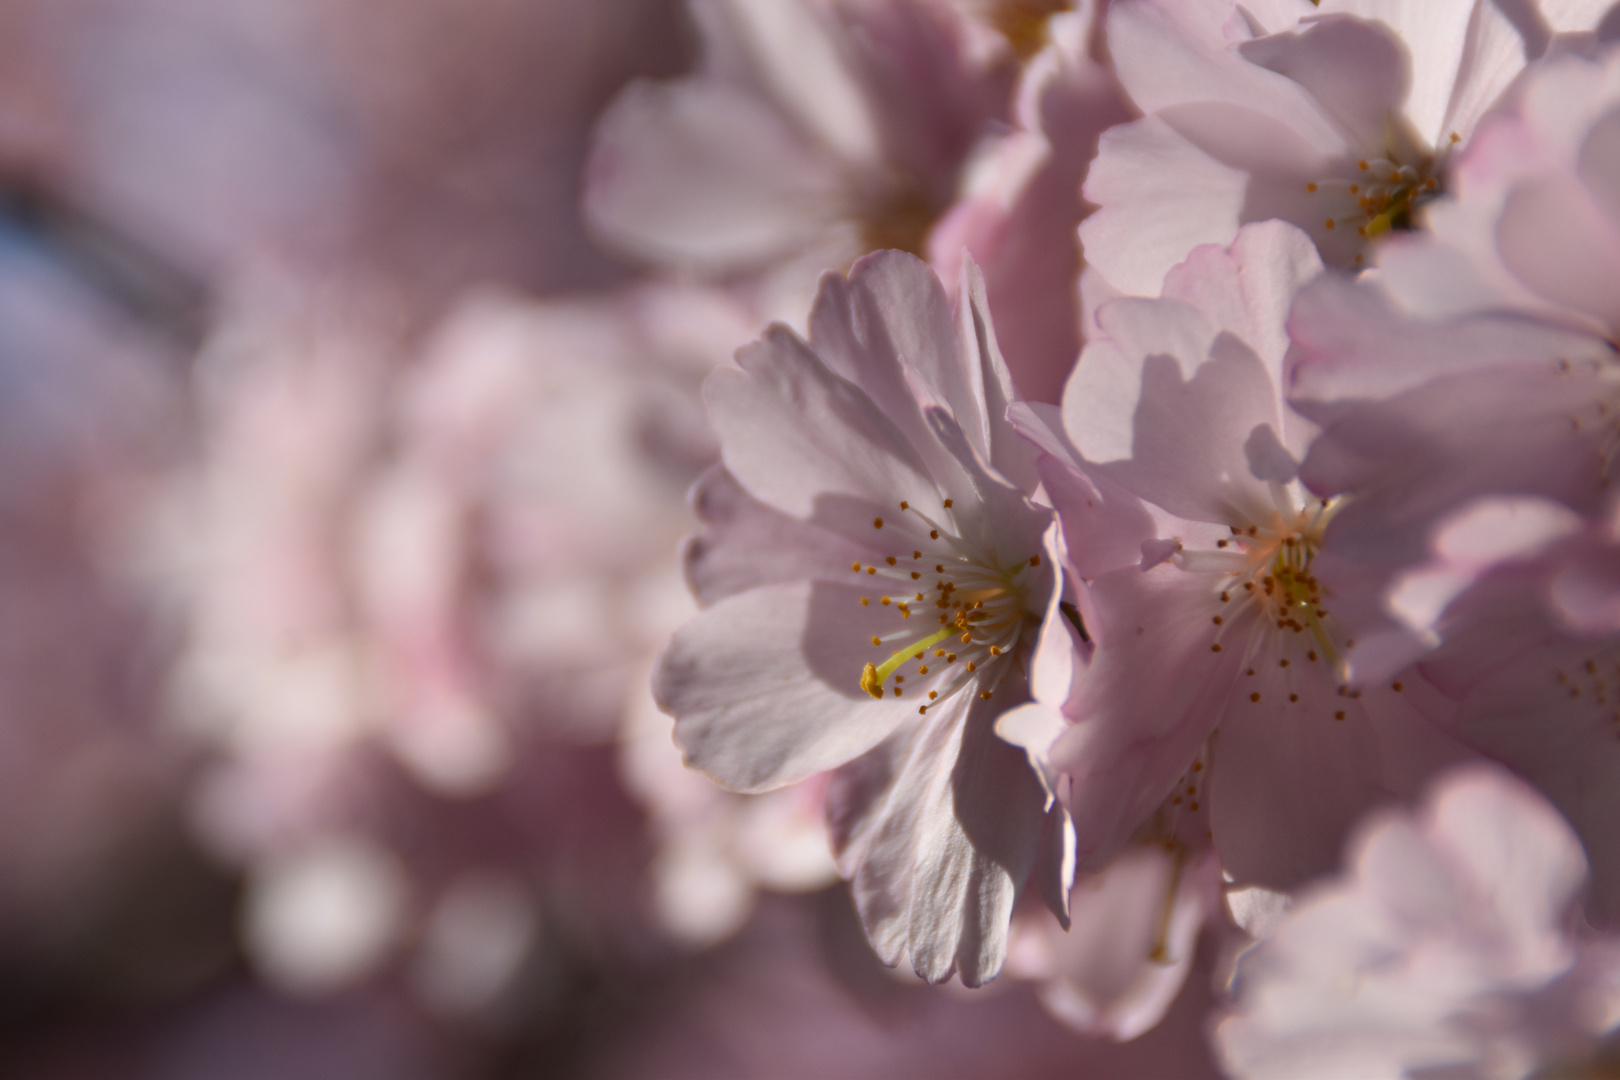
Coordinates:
765 686
793 432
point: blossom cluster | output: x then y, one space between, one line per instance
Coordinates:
811 538
1220 464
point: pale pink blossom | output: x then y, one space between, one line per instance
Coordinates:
877 580
1339 117
1530 222
1422 418
1518 603
1467 418
1448 946
814 132
1174 473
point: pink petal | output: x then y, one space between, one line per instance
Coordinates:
700 174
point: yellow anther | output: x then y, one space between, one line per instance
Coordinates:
877 523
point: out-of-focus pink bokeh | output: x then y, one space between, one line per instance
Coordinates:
342 480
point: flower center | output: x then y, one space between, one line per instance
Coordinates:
960 613
1024 23
1266 580
1381 196
899 219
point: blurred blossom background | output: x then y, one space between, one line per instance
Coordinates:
343 472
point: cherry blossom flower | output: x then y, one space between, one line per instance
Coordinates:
1467 406
1447 947
877 581
1175 477
1025 25
814 132
1339 117
1424 417
1530 223
1517 607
